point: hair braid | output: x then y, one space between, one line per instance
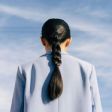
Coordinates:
56 82
56 51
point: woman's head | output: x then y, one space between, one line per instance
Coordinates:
56 36
55 28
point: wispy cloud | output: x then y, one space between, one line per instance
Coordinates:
94 13
25 14
76 22
5 100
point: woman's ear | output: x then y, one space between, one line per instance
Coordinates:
43 41
68 42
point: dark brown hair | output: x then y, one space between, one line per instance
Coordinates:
55 31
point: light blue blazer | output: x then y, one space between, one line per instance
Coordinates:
80 92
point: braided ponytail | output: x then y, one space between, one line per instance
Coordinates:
55 31
56 84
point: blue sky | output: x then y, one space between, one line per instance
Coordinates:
90 22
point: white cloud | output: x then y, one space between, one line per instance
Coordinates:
5 99
94 13
26 14
95 49
96 29
76 22
100 14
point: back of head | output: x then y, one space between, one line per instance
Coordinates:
55 31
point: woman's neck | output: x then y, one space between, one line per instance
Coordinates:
62 49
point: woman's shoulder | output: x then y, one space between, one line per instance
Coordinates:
82 63
28 65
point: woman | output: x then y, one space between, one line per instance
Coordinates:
56 81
